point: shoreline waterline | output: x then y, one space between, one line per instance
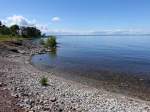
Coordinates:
116 61
131 85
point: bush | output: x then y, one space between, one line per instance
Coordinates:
44 81
51 42
42 42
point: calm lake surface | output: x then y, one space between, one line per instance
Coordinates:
89 55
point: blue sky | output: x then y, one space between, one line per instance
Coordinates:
80 15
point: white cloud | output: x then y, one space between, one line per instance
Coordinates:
23 21
55 19
17 19
43 28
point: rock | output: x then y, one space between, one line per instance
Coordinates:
46 108
22 51
27 106
14 50
27 62
38 107
124 85
141 79
1 84
29 102
45 101
41 53
14 95
18 43
47 50
53 99
31 111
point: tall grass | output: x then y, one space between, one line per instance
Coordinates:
44 81
10 38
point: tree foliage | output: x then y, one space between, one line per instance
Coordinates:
4 30
30 32
16 30
0 23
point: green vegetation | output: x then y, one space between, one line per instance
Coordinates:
51 42
14 30
42 42
29 32
10 38
44 81
17 32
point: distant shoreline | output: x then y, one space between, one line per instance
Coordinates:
102 35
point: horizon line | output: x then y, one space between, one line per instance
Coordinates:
100 35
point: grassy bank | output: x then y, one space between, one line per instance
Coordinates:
10 38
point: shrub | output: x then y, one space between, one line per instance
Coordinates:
44 81
51 42
42 42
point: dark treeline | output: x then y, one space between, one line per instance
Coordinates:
16 30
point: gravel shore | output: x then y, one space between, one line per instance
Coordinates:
21 79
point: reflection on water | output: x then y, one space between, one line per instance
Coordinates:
53 53
91 54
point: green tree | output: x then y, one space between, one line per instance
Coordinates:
30 32
4 30
0 23
14 29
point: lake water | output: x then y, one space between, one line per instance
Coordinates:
89 55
